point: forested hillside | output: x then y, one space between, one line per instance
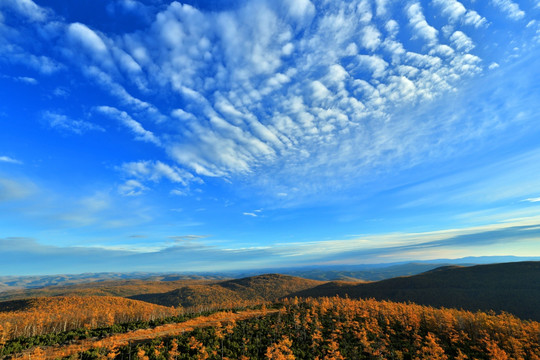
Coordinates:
337 328
44 315
510 287
317 328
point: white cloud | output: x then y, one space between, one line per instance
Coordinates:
473 18
62 122
8 159
28 8
374 63
370 37
461 41
43 64
419 24
392 27
12 53
27 80
466 64
156 171
250 214
455 10
442 50
533 199
87 38
423 61
451 8
381 7
275 86
320 92
509 7
136 128
400 88
301 10
178 192
132 188
11 189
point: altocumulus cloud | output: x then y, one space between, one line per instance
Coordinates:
273 91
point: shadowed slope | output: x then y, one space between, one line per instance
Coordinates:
510 287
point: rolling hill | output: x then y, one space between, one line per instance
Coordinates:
121 287
365 273
268 287
509 287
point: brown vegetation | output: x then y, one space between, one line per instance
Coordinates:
112 343
49 315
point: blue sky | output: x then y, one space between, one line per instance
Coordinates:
220 135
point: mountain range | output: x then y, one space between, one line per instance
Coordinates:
509 287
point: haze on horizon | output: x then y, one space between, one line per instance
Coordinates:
218 135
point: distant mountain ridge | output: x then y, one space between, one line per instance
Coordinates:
510 287
39 281
122 288
362 272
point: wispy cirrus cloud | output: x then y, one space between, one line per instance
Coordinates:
132 188
134 126
188 252
8 159
12 189
63 123
154 171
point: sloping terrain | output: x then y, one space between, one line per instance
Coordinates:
267 287
123 288
510 287
325 328
52 314
40 281
360 274
191 296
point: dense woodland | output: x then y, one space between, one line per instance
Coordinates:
50 315
337 328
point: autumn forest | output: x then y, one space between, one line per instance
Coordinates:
260 317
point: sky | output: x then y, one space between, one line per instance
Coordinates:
146 135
